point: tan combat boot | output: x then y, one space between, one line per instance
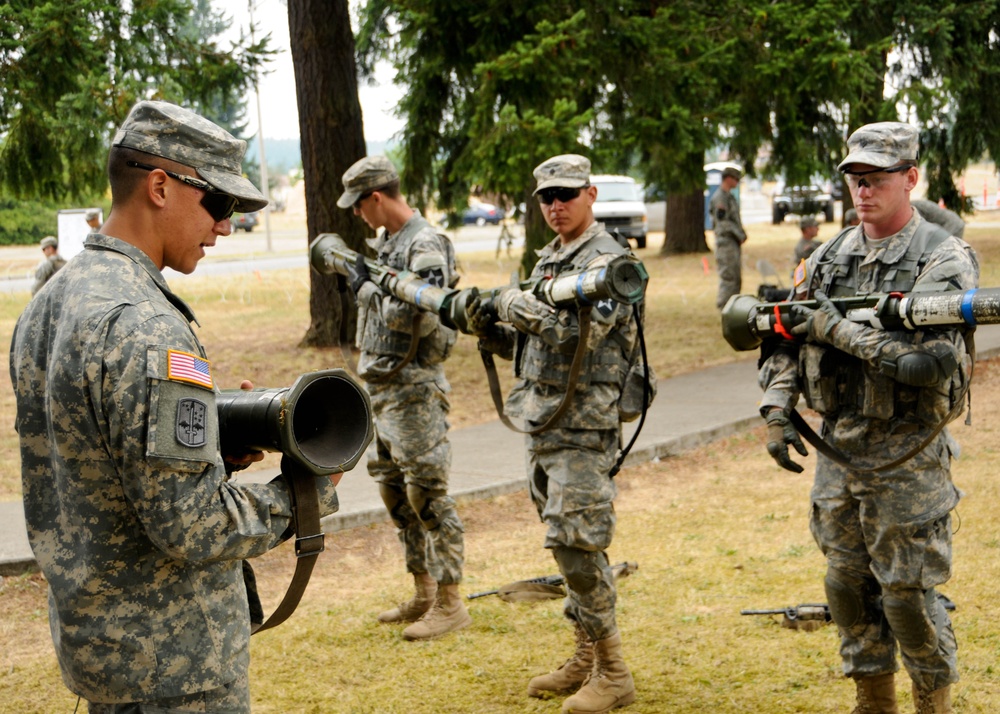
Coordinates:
573 672
414 608
876 695
447 615
610 683
936 702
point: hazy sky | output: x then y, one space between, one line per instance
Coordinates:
278 106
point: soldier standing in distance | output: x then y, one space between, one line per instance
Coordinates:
49 265
569 464
884 396
93 217
130 510
729 236
410 456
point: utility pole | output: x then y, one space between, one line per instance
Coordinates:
265 189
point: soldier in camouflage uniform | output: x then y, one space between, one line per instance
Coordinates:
886 533
49 265
402 351
130 511
809 227
569 464
729 236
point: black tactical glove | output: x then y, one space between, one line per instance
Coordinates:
819 323
481 313
781 433
358 273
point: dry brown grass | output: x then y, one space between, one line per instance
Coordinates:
714 530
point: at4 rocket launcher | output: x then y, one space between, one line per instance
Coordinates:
746 322
623 280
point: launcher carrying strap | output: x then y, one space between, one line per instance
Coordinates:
574 374
308 540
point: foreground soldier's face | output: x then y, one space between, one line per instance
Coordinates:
568 210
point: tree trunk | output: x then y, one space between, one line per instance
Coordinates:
332 138
536 233
685 224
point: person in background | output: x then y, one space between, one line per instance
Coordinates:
729 236
881 509
49 265
947 219
130 510
807 243
851 217
402 356
93 217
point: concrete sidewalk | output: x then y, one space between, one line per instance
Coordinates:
488 459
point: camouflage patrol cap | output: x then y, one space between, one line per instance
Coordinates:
732 172
93 213
369 174
49 242
808 222
566 170
882 144
178 134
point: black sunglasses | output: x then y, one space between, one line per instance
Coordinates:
219 205
361 199
563 193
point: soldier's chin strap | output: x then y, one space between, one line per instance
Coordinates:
308 539
574 374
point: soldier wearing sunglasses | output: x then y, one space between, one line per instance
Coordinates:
883 494
130 510
569 463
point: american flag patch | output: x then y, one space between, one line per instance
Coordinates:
185 367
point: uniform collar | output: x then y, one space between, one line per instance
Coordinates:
99 241
560 251
890 249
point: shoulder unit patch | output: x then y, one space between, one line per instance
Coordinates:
190 422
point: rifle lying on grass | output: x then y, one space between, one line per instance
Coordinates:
812 616
547 587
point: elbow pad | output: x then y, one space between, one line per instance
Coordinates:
930 366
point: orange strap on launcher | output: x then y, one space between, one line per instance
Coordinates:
779 327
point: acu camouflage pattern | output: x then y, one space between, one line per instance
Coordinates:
565 170
729 236
882 144
367 174
411 444
890 529
569 465
178 134
140 537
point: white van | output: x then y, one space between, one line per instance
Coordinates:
620 206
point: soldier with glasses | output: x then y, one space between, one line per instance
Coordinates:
883 494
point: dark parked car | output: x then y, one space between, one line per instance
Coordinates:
244 221
801 201
481 214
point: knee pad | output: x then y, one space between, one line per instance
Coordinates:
909 615
395 503
581 568
424 502
848 597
